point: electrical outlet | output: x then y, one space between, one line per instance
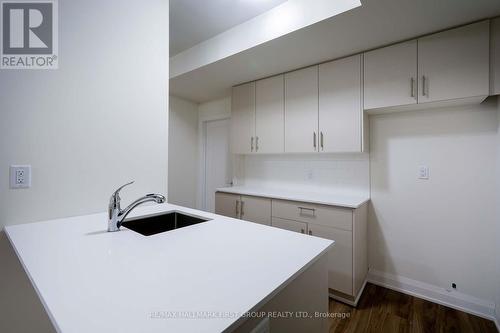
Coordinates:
423 172
20 176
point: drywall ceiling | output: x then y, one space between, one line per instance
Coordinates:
376 23
193 21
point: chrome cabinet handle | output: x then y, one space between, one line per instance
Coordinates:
237 209
251 144
314 140
424 85
256 143
242 204
412 87
321 140
302 209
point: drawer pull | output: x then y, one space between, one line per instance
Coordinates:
307 211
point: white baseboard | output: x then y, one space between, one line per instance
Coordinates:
453 299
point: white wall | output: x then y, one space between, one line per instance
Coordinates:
97 122
183 152
440 230
346 173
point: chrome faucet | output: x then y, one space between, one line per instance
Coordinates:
116 215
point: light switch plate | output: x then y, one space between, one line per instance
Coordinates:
423 172
20 176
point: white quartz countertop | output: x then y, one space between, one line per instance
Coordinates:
349 200
90 280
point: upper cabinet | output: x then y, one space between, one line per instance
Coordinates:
454 64
270 115
243 118
322 108
301 111
447 67
340 106
390 76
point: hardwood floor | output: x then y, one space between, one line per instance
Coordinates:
384 310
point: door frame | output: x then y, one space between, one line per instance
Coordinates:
203 118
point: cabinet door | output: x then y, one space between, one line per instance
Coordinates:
390 76
256 209
301 110
243 118
227 204
269 120
289 225
339 259
340 109
454 64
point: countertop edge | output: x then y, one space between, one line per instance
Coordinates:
263 194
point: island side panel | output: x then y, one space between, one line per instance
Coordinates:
307 293
20 308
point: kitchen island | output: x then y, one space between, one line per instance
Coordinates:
223 275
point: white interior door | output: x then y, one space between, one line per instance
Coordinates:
217 162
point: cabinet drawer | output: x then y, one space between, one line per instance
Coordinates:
317 214
289 225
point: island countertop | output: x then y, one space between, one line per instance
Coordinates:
91 280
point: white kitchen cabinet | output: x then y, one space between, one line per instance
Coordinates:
340 106
244 207
340 258
289 225
243 118
390 76
255 209
269 115
348 259
301 110
454 64
227 204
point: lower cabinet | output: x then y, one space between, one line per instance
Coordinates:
340 259
348 258
227 204
289 225
244 207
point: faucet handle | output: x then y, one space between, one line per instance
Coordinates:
116 195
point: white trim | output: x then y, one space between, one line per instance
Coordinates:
224 112
202 165
453 299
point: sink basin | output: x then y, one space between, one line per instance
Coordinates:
158 223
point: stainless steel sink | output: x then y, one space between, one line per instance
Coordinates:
158 223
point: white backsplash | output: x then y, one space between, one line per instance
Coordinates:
343 173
